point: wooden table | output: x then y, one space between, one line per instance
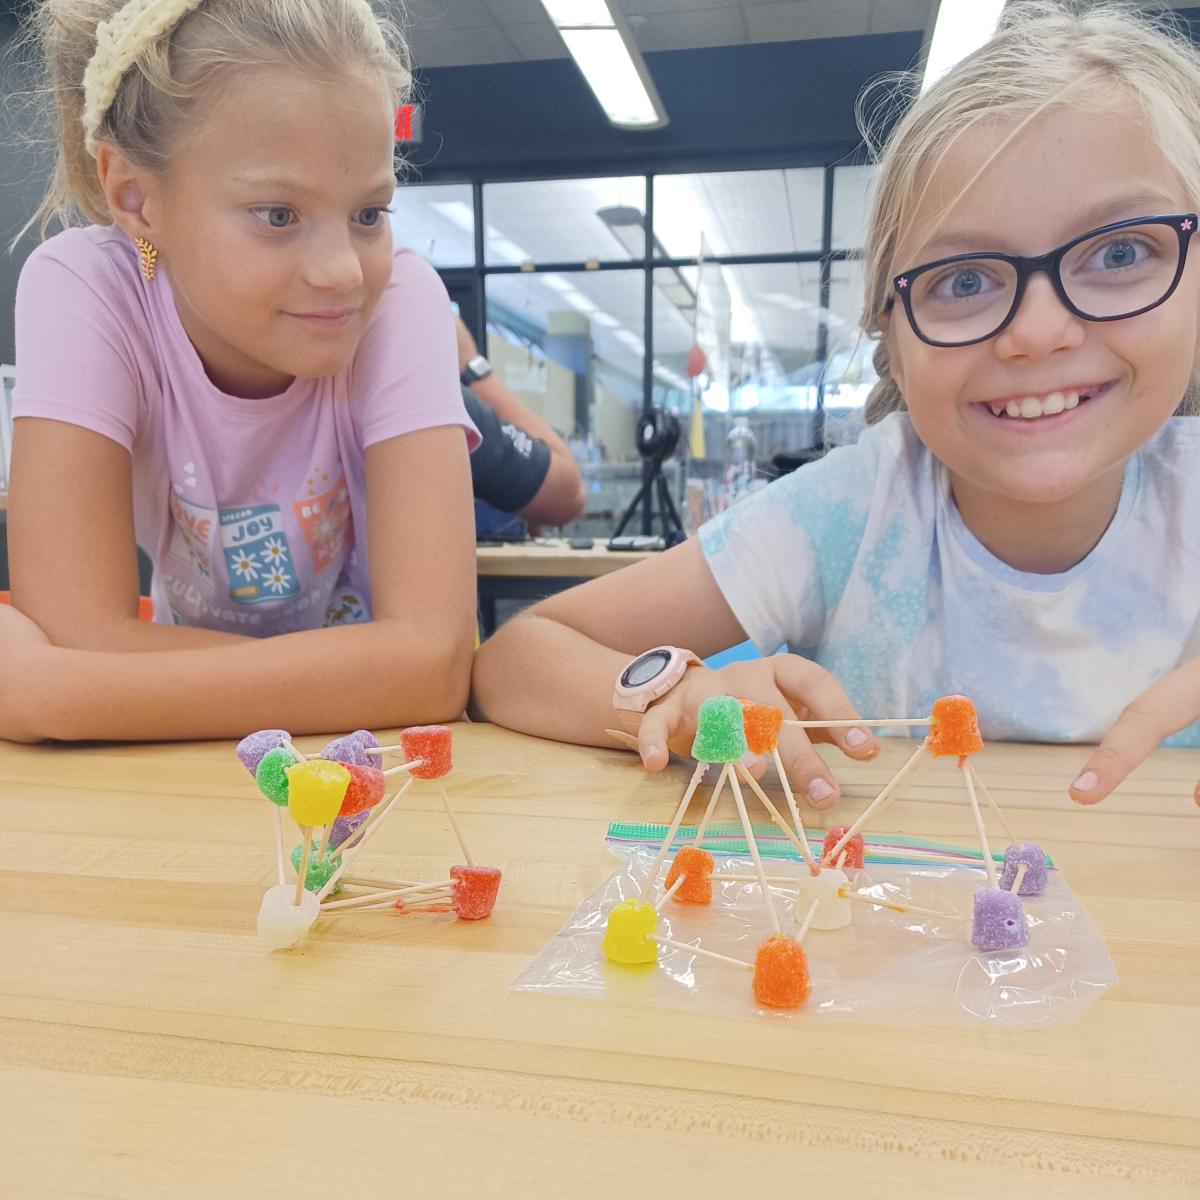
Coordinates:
150 1048
534 570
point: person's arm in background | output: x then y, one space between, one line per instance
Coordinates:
561 496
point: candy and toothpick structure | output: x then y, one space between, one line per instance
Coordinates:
341 792
726 730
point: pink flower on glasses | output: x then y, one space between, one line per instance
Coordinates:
902 282
1186 224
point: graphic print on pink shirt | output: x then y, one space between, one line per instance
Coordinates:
324 520
257 556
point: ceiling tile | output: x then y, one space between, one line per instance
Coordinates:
688 31
806 19
453 47
537 40
446 14
899 16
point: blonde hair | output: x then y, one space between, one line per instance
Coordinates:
165 89
1044 53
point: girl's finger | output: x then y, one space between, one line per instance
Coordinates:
813 690
661 724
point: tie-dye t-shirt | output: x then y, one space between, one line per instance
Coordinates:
861 562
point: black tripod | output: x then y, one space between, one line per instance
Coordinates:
657 436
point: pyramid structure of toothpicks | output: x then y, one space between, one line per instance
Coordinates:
726 730
339 801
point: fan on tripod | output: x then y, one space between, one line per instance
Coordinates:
657 436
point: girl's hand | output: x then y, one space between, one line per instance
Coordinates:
1170 705
800 688
24 651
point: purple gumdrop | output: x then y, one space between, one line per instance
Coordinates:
254 745
352 749
343 827
999 921
1030 853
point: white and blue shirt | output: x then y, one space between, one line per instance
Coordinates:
861 562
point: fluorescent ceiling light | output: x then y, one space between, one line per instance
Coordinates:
962 27
605 319
610 62
457 212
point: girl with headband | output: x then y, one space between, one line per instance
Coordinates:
230 366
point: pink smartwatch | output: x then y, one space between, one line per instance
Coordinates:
651 675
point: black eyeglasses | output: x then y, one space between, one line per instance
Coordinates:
1111 273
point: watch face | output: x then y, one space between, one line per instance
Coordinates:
643 670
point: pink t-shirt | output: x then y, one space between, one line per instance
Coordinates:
253 512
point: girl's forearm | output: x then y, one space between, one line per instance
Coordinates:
381 674
539 676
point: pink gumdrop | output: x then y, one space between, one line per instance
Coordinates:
365 789
475 891
432 744
853 849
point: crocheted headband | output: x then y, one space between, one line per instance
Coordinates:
119 42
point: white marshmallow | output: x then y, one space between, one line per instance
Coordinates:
282 923
832 911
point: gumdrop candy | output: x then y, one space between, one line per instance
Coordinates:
282 923
319 870
999 922
475 891
432 743
271 775
853 849
720 734
781 973
316 789
352 749
343 827
696 866
365 789
626 937
254 745
761 724
1036 877
955 727
833 911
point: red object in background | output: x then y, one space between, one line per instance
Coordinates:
696 362
404 122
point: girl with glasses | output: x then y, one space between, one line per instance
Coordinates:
1017 521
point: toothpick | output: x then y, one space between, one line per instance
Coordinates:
779 882
666 941
381 750
676 821
367 832
812 912
753 846
889 790
786 784
393 894
412 905
978 779
368 881
324 846
670 892
279 842
626 739
702 828
845 894
405 766
462 845
295 750
801 845
303 865
1018 878
872 722
988 865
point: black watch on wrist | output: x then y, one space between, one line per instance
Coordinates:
478 368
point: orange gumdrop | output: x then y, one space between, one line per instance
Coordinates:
853 850
762 724
696 867
781 973
955 727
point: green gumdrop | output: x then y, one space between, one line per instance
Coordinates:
720 734
319 870
271 775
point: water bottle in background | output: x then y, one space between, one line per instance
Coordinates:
740 462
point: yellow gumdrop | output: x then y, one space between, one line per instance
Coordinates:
316 789
625 938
